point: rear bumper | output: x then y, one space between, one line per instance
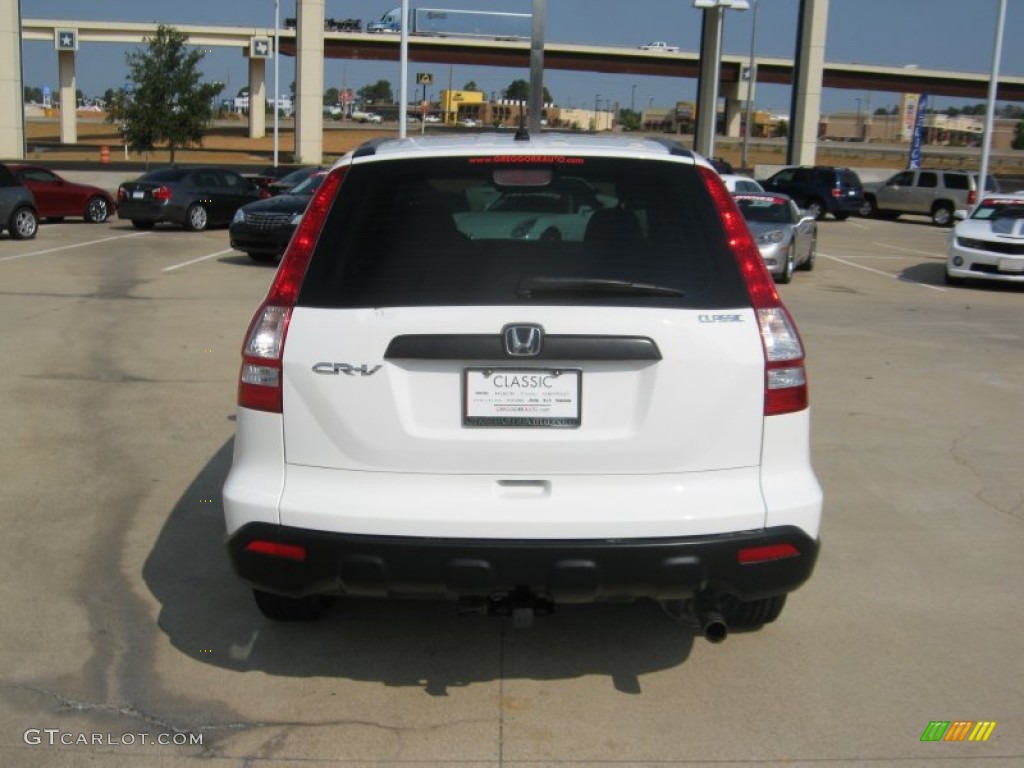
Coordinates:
567 571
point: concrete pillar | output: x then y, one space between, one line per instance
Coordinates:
707 82
68 98
808 68
257 98
309 82
733 109
12 119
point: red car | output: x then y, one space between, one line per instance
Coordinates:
57 197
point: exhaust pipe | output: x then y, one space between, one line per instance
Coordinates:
710 618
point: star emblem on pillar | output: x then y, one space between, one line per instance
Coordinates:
66 39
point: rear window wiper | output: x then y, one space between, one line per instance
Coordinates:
531 285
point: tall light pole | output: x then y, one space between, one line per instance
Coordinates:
986 145
751 79
277 59
632 98
710 68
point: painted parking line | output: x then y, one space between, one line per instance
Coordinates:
196 261
929 254
69 247
880 272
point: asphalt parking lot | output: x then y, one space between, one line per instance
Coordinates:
127 641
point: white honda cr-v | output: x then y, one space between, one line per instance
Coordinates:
518 371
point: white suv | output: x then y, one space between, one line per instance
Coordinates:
440 399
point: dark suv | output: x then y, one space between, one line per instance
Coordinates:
820 189
18 213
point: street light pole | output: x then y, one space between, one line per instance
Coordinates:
632 98
277 59
751 79
993 84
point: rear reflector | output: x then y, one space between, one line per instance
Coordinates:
276 549
767 554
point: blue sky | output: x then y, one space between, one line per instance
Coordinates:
943 34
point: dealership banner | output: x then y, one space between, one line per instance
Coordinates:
915 139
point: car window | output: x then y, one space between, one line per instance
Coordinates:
165 174
40 175
904 179
955 180
231 180
424 233
785 176
804 176
995 208
928 179
765 209
7 178
848 177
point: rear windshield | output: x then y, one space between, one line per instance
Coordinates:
7 178
165 174
490 230
848 178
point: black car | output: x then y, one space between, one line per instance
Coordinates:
18 214
195 198
820 189
262 229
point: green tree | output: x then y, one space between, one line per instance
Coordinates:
781 129
629 120
519 90
331 96
378 93
471 86
33 95
169 104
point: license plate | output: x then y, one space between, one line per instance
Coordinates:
1013 266
522 397
138 194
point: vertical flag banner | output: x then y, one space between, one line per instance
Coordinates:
915 139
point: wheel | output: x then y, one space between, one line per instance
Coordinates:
96 210
551 236
281 608
867 208
262 258
196 218
816 208
808 265
841 215
23 224
787 271
142 224
942 214
749 615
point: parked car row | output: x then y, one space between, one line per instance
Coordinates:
30 192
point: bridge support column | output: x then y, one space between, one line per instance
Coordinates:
257 98
707 82
309 82
808 68
68 97
12 118
733 109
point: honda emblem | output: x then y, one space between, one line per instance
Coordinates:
523 340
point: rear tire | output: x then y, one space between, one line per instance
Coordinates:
816 208
97 210
786 276
942 215
280 608
750 615
23 224
196 218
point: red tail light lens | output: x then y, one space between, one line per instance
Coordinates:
837 192
785 385
259 380
767 553
276 549
162 193
972 196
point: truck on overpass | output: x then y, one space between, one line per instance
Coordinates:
442 22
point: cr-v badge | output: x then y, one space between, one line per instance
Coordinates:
333 369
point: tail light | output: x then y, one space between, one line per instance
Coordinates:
972 197
259 381
122 193
785 384
162 193
837 192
